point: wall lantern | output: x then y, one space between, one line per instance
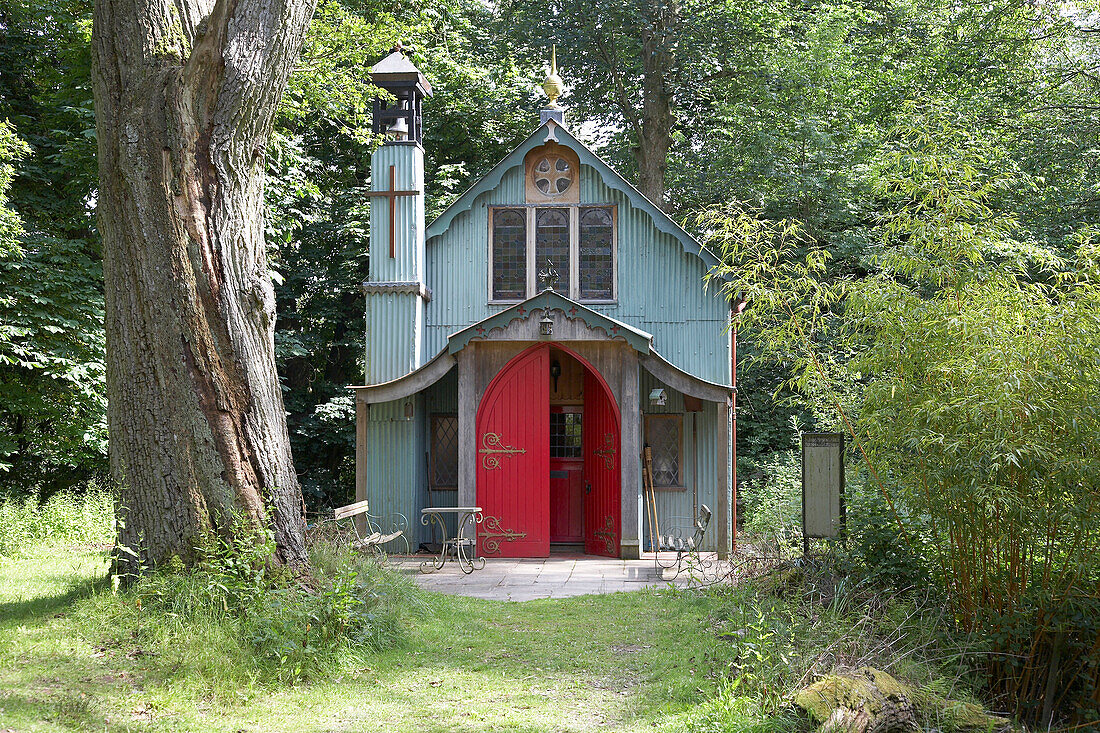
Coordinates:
658 397
408 411
546 326
555 372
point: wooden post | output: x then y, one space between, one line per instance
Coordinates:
735 311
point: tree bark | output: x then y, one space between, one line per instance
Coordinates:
652 122
185 93
655 138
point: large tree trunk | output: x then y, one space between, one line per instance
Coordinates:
185 95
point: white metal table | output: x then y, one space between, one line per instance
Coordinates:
459 545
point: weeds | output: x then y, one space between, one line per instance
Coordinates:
238 620
800 621
67 518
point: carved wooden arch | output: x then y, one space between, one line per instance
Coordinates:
552 152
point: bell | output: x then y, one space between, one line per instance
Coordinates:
399 130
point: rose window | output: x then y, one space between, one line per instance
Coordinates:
553 175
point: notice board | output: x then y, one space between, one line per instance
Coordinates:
822 485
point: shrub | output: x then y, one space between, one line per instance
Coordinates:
265 624
771 499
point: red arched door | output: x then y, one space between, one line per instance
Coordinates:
513 459
603 494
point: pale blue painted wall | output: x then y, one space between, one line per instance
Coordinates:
702 469
396 463
394 321
660 286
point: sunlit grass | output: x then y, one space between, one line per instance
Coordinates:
64 519
75 654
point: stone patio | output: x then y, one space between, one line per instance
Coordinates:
558 576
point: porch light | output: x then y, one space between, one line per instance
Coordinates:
546 326
408 411
658 397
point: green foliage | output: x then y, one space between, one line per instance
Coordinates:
52 422
274 626
28 525
795 623
981 402
872 544
53 431
12 150
964 366
771 495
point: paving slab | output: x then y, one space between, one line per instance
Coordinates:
557 576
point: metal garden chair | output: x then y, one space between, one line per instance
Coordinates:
688 558
373 532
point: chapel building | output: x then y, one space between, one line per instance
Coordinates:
522 348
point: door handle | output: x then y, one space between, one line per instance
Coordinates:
587 488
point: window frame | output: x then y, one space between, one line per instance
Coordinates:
574 211
433 454
679 418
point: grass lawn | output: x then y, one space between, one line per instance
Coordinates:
624 662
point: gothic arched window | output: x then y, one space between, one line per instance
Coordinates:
509 254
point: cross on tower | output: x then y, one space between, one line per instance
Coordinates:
392 195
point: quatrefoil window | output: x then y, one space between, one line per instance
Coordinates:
553 175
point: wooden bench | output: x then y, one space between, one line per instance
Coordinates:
370 535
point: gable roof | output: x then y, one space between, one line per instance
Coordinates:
551 130
548 300
542 303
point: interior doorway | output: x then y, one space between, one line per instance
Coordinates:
566 451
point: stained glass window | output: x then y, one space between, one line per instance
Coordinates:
596 267
662 435
552 244
510 254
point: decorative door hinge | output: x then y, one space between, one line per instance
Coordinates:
607 453
491 446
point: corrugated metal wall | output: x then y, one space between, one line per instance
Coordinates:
408 262
396 464
660 288
395 321
702 469
394 343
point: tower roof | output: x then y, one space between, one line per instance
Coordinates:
396 69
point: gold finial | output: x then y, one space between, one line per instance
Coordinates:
553 85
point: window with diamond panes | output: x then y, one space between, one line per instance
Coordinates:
595 260
663 435
552 245
444 463
565 435
510 254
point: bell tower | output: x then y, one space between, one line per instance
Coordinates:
395 290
